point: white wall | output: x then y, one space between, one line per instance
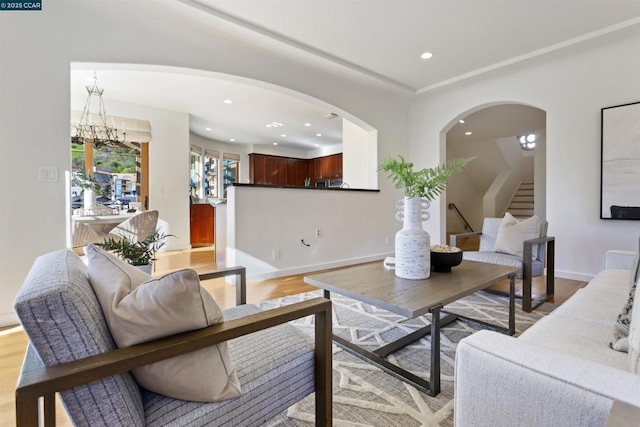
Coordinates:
35 106
350 224
571 85
359 158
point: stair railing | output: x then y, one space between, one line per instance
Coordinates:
453 207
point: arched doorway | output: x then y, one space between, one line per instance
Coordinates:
489 185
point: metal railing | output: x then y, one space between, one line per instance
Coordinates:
467 226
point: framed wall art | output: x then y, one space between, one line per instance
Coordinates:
620 166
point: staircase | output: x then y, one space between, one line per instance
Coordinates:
521 205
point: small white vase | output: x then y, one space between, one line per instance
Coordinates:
89 197
413 245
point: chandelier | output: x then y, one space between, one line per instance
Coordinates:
93 127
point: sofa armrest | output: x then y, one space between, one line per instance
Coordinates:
504 381
241 288
46 382
453 239
619 260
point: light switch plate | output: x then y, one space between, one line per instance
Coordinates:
47 174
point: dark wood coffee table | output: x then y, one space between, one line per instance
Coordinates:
373 284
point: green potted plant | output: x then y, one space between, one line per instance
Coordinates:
412 243
141 253
428 182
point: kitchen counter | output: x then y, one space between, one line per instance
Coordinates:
298 187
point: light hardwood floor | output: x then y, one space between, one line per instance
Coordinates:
13 341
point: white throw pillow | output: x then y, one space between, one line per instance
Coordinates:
512 233
139 308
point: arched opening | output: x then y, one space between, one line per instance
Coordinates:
169 98
503 177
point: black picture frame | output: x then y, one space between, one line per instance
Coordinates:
620 162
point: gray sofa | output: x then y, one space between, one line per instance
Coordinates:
560 372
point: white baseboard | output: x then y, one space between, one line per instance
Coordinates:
316 267
573 275
9 319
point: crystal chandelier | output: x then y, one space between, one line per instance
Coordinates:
93 127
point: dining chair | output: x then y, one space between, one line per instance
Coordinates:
136 228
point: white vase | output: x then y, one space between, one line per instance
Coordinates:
413 245
89 197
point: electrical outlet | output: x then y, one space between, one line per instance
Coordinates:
387 241
318 232
275 254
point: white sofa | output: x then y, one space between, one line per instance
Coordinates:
561 371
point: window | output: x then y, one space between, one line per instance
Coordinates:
117 171
230 171
195 185
211 160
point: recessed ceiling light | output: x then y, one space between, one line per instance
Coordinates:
460 121
232 139
315 145
307 124
426 55
318 134
467 133
283 135
208 128
268 126
227 101
275 143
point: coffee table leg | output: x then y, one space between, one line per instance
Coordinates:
512 304
434 380
326 294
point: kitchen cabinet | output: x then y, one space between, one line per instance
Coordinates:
202 225
328 167
276 170
297 171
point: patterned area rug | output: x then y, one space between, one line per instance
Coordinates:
364 395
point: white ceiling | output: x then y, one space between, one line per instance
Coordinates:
386 37
203 97
382 39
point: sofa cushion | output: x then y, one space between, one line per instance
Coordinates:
512 233
537 267
577 337
275 367
139 310
64 322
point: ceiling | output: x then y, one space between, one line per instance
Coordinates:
244 120
382 39
385 38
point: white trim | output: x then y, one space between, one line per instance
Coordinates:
9 319
317 267
574 275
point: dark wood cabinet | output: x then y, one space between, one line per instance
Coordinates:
275 170
202 225
297 171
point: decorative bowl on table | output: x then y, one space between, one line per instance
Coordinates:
443 257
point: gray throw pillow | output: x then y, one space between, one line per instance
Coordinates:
621 328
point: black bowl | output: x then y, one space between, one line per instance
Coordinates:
443 261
